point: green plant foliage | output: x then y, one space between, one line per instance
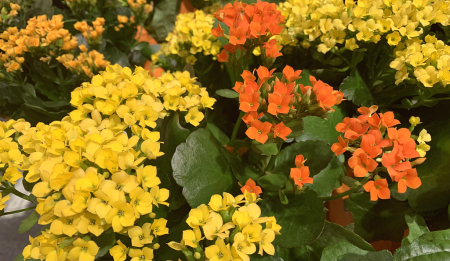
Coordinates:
345 251
355 89
28 222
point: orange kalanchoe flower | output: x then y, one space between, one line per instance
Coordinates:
222 56
378 189
340 147
217 32
259 130
291 75
300 161
251 116
281 131
408 178
301 176
361 163
251 187
278 104
249 102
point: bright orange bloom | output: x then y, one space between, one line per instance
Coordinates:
300 161
264 74
217 32
251 187
259 130
352 128
326 95
291 75
371 143
238 35
339 147
282 88
278 104
408 178
222 56
251 116
368 111
388 119
247 75
251 86
271 49
361 163
301 176
392 162
281 131
249 102
239 87
378 189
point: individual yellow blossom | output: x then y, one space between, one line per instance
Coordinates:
12 174
159 227
145 254
119 251
272 224
83 250
90 223
422 149
194 116
243 247
424 136
414 121
120 216
141 201
159 195
192 237
265 244
147 177
219 251
215 227
66 226
3 200
198 216
140 236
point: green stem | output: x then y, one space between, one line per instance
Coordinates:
440 99
271 162
346 193
20 195
237 125
17 211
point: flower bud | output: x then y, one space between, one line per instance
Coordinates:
152 215
197 255
56 196
156 246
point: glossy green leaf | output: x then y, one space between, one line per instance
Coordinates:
268 148
430 246
28 222
355 90
417 227
105 242
202 167
333 234
218 134
345 251
164 16
243 170
317 153
272 182
378 220
227 93
327 179
302 220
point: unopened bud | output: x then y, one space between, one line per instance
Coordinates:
56 196
376 177
418 161
156 246
106 175
197 255
152 215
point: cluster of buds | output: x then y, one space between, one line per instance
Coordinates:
7 13
300 174
251 26
93 34
230 231
123 20
85 63
372 138
140 10
283 101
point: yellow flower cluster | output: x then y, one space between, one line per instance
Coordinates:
191 35
332 22
88 169
140 10
123 20
41 38
429 60
93 34
88 63
237 230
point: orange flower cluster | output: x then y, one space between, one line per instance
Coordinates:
41 37
88 63
282 100
373 138
300 174
93 34
250 26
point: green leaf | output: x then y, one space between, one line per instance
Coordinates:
268 148
281 254
28 222
202 167
302 220
218 134
333 234
147 51
114 55
105 242
417 227
272 181
164 16
243 171
66 242
316 128
430 246
39 7
317 153
29 89
345 251
378 220
327 179
355 90
227 93
20 257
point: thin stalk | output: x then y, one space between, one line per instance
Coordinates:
17 211
237 125
20 194
346 193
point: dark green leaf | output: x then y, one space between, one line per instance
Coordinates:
317 153
417 227
39 7
28 222
272 181
430 246
218 134
29 89
325 181
333 234
149 50
283 199
20 257
227 93
268 148
164 16
243 171
302 220
378 220
345 251
114 55
281 254
105 242
355 90
202 167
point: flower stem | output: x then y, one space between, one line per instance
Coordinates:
346 193
17 211
20 195
237 125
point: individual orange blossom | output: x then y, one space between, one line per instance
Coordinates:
271 49
249 102
408 178
388 119
283 89
378 189
251 116
259 130
237 35
251 187
291 75
300 161
301 176
281 131
361 163
278 104
250 86
222 56
339 147
264 74
217 32
247 75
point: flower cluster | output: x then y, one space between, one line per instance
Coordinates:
11 157
250 26
234 231
8 11
140 10
191 36
42 38
300 174
331 22
85 63
123 20
283 101
372 138
428 61
93 34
